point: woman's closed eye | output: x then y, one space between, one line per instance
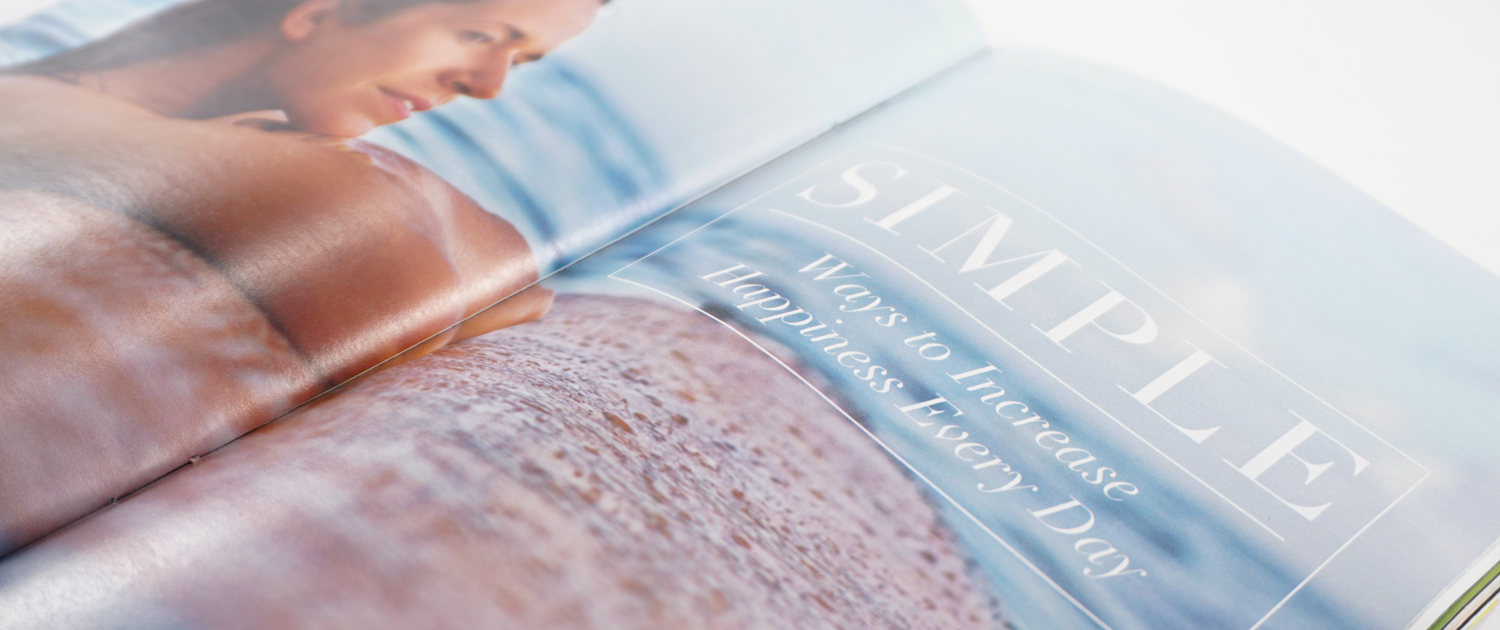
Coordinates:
481 38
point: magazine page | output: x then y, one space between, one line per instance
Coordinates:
1105 288
1035 346
198 242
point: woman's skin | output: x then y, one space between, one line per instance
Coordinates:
352 252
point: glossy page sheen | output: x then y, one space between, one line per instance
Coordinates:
1036 345
217 210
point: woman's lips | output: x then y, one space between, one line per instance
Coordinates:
403 104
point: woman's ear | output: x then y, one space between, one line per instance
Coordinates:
307 18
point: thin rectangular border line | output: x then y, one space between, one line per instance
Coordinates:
1106 254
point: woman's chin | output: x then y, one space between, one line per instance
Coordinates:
347 126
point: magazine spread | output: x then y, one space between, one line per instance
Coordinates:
1032 344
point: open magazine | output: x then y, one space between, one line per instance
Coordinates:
722 314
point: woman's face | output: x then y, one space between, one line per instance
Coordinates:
341 77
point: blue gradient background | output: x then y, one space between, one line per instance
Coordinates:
1287 260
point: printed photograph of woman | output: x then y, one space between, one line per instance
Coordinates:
205 244
211 236
333 67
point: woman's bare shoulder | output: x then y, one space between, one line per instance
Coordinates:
328 235
48 112
26 96
32 82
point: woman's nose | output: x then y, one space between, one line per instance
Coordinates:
484 80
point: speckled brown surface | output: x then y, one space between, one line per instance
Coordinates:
619 464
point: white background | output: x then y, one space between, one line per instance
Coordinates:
1399 97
